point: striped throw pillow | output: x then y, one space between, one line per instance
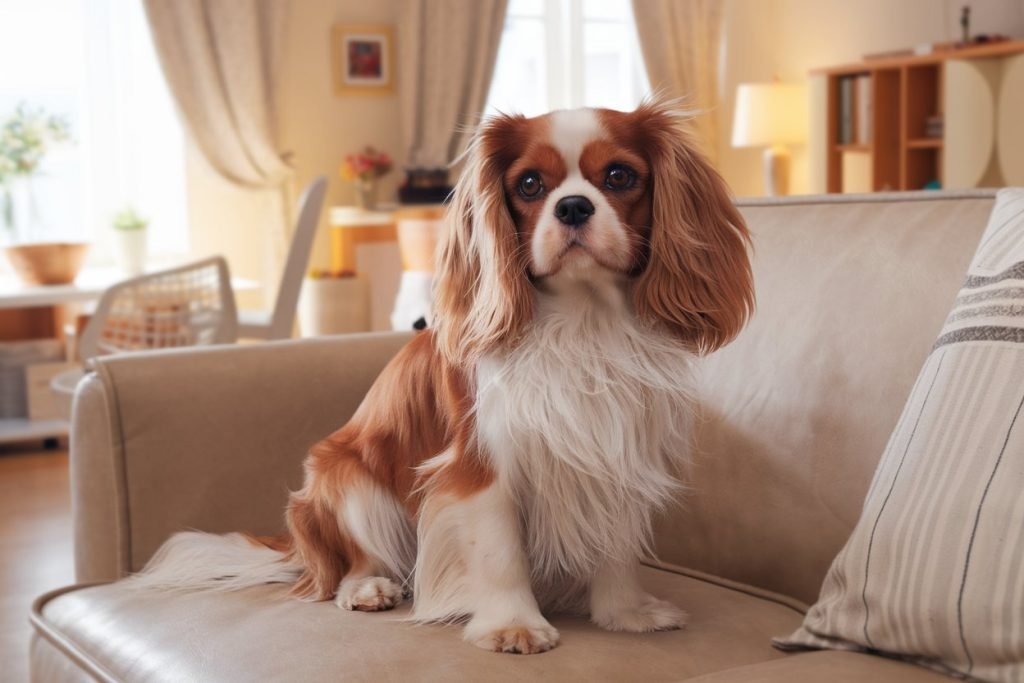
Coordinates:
934 569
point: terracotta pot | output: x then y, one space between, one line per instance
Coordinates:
47 263
130 251
334 305
419 230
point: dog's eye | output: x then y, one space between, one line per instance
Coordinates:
619 177
530 185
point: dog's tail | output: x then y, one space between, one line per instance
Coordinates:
197 561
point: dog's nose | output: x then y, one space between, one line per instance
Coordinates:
574 211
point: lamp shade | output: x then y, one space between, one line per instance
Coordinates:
769 114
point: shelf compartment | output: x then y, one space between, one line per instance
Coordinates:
923 165
922 99
924 143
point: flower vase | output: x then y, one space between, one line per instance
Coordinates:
19 211
366 194
7 211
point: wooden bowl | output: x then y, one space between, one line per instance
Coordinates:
47 263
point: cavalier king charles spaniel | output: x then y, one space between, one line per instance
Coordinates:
508 461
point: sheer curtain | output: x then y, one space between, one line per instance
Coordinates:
221 59
448 50
134 144
681 40
92 61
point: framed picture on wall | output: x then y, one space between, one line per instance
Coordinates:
363 58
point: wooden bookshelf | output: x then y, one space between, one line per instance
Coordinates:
904 93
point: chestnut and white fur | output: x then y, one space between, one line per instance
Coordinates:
507 462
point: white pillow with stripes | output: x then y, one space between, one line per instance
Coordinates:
934 570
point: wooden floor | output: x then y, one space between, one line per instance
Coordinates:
35 545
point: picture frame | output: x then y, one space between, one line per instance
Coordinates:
363 57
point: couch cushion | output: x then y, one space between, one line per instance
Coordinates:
51 664
834 667
934 570
851 294
259 634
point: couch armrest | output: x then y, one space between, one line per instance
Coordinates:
209 439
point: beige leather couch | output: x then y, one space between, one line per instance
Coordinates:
796 413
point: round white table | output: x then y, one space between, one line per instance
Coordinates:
88 286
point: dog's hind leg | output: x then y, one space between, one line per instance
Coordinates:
379 525
352 538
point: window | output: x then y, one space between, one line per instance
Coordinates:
559 54
93 63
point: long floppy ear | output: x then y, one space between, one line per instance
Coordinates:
697 281
482 295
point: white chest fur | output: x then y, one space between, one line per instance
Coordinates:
587 423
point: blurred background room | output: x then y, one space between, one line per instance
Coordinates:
282 164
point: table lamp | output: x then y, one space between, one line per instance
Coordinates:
771 115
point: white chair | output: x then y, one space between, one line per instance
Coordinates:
191 305
277 324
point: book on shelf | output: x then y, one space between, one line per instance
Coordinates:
845 110
864 108
855 106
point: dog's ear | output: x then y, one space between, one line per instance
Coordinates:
482 298
697 281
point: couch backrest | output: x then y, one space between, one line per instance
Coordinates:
796 412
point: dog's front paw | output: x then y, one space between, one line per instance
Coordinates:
368 594
650 615
512 638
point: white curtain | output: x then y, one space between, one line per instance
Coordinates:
448 51
221 58
680 41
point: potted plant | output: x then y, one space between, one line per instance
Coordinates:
130 241
26 135
365 168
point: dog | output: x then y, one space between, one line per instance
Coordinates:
508 461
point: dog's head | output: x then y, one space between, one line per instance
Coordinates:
584 193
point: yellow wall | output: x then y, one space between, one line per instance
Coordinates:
320 127
316 126
787 38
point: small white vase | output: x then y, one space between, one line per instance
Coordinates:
130 251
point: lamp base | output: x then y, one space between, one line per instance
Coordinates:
776 171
